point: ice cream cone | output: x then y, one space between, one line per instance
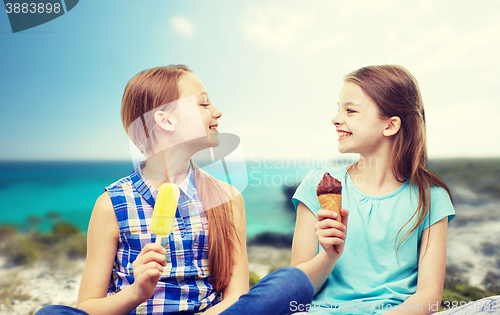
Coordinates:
331 202
329 192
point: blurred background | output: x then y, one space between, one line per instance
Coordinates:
274 70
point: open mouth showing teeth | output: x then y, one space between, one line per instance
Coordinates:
213 127
343 134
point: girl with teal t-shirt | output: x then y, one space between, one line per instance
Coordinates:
392 235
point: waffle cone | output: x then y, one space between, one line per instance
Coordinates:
332 202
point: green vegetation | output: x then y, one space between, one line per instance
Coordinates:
7 232
479 175
253 279
464 293
456 289
63 243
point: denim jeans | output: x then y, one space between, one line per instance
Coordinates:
272 295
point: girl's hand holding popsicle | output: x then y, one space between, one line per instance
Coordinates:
148 268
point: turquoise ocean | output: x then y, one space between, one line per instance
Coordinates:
34 189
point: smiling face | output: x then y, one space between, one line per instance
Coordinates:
359 126
190 85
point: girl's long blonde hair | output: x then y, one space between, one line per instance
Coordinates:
154 89
396 93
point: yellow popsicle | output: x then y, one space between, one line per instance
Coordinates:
164 210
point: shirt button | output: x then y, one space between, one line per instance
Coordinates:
189 301
186 262
187 281
183 234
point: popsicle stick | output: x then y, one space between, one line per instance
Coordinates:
165 166
148 137
158 239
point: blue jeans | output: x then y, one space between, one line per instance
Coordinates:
272 295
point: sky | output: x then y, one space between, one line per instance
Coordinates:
273 68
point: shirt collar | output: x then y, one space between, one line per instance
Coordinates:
146 189
188 186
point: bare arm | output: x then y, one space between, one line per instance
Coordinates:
238 285
102 241
310 232
431 271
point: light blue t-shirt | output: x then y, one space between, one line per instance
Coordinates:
369 273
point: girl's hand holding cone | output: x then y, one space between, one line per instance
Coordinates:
330 233
329 192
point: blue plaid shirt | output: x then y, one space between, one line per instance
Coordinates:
185 284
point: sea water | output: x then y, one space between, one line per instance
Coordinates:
31 190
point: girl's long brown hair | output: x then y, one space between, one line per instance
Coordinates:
396 93
155 89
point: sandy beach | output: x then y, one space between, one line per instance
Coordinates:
31 288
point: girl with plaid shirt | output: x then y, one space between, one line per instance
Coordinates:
202 266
